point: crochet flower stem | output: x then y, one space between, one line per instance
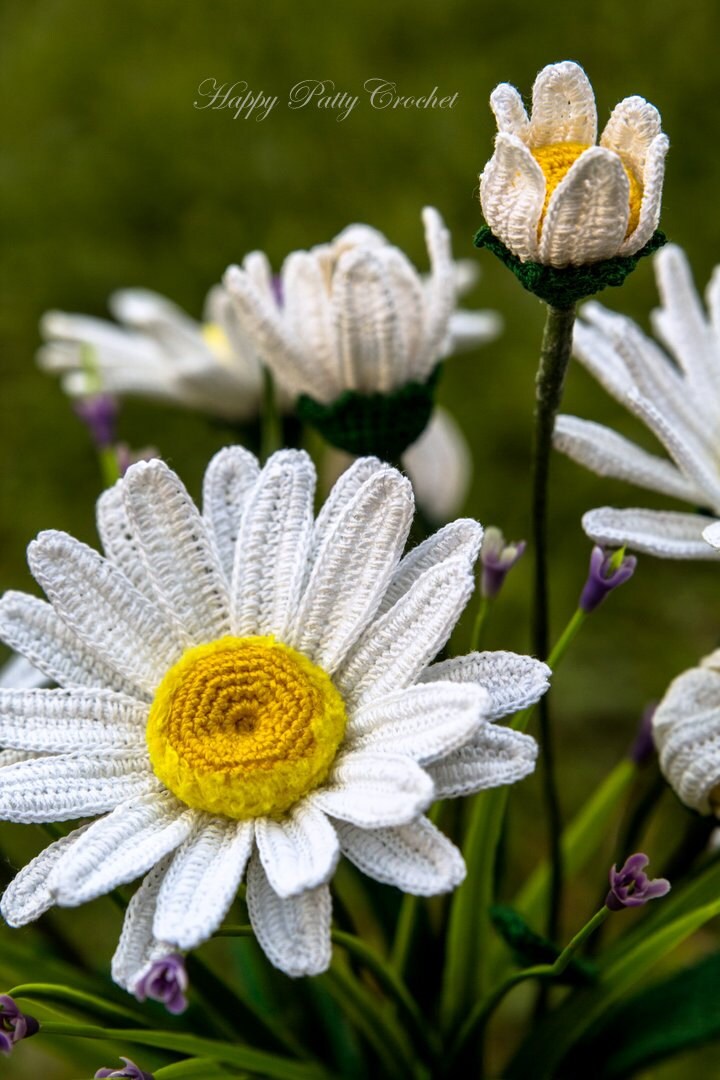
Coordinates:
271 427
89 1003
554 359
477 1020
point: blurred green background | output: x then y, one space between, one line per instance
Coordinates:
110 177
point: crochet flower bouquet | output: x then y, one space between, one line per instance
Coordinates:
259 719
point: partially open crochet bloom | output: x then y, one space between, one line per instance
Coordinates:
675 391
248 692
157 351
550 194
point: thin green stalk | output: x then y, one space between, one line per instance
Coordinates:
78 998
271 433
554 359
479 625
109 468
200 1067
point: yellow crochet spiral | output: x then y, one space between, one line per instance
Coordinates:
555 161
244 727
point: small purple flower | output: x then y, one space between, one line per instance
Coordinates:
14 1025
131 1071
630 887
165 981
643 747
608 569
99 413
497 558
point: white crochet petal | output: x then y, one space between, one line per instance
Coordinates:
374 789
712 534
298 852
273 546
121 846
409 297
366 323
31 626
512 193
513 681
608 454
228 481
495 757
201 881
27 897
62 721
664 533
597 352
343 492
686 726
712 298
633 125
17 673
652 181
179 556
67 786
563 106
468 329
510 114
415 858
424 722
439 465
460 538
11 757
308 318
399 644
440 294
352 568
119 541
586 218
294 932
138 946
102 607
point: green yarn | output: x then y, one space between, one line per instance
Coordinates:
563 287
529 948
380 424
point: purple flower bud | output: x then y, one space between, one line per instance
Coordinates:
630 887
99 413
165 981
130 1072
497 558
14 1025
643 747
608 569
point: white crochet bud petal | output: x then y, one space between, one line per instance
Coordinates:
416 858
68 786
686 726
510 114
27 897
563 106
138 946
408 292
121 846
587 216
652 183
300 851
272 547
512 681
496 756
440 294
512 193
667 534
374 789
606 453
468 329
349 577
424 722
712 535
228 482
104 609
633 125
294 932
62 721
201 881
308 315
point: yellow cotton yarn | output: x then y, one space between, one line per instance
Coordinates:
244 727
555 161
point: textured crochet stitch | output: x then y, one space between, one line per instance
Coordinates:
249 692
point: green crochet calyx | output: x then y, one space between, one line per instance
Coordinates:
380 424
563 287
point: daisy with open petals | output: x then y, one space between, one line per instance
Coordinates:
675 391
247 693
554 197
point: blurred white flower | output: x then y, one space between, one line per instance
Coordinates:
157 351
676 392
550 194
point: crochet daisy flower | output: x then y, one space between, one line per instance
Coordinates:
248 692
360 334
158 352
675 391
552 196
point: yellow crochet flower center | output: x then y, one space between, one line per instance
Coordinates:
244 727
555 161
217 342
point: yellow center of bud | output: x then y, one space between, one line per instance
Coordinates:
555 161
244 727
